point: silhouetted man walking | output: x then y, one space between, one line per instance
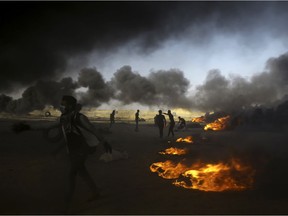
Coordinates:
112 118
172 123
161 122
72 122
137 120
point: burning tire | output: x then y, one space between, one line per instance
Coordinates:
47 114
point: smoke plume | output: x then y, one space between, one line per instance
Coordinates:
219 93
167 88
98 90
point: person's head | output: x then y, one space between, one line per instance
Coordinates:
138 111
169 111
160 112
179 117
68 104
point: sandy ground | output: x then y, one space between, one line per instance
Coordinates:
33 180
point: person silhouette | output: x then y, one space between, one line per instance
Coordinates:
182 123
112 118
161 122
171 123
71 120
137 120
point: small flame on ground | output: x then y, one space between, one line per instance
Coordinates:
174 151
198 119
207 177
218 124
187 139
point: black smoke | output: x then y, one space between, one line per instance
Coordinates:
40 94
219 93
38 39
167 88
161 87
98 91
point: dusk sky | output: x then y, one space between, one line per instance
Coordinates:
147 52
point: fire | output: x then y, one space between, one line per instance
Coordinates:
168 169
174 151
187 139
198 119
218 124
207 177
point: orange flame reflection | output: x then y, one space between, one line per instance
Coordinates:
207 177
174 151
218 124
187 139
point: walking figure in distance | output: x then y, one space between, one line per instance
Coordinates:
137 120
161 122
112 118
172 123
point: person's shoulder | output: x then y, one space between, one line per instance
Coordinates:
81 116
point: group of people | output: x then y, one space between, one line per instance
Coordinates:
159 121
137 119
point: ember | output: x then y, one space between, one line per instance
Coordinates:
218 124
187 139
174 151
207 177
199 119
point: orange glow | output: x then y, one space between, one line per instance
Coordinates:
218 124
168 169
207 177
174 151
198 119
187 139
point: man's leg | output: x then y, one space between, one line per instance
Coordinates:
161 131
83 172
72 182
136 129
172 128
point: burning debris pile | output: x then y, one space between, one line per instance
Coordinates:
255 117
206 176
200 119
187 139
174 151
231 174
219 124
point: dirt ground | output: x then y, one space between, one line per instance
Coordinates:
33 181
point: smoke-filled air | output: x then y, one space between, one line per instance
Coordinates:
216 56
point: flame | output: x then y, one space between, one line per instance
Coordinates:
187 139
168 169
218 124
198 119
207 177
174 151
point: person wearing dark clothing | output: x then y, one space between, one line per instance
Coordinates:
78 148
171 124
112 118
182 123
161 122
137 120
71 121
